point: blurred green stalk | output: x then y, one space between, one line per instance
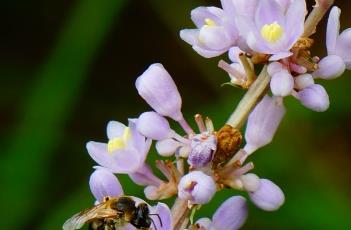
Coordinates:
25 164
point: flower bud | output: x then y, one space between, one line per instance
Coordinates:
303 80
104 183
202 148
262 123
268 196
274 68
154 126
167 147
158 89
330 67
231 215
197 187
250 181
282 83
314 97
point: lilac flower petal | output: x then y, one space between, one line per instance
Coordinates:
330 67
251 182
120 161
268 12
167 147
191 36
154 126
144 176
104 183
282 83
197 187
268 197
315 97
280 55
295 19
284 4
137 141
231 215
163 211
274 68
262 123
115 129
208 53
333 29
343 47
303 81
255 42
215 38
228 6
234 53
158 89
245 8
202 148
199 14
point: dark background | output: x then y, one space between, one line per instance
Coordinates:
68 67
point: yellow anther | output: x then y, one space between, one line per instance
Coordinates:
272 32
210 22
126 134
119 142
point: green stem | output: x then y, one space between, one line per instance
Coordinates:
250 99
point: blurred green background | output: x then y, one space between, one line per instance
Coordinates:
68 67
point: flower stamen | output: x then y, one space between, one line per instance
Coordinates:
119 142
272 32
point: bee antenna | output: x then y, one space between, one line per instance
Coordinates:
153 223
158 219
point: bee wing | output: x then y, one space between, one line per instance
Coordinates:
99 211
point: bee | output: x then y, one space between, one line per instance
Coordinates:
112 214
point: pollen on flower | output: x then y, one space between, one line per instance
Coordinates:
119 142
272 32
210 22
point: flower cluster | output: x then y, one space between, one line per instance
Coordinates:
271 32
204 160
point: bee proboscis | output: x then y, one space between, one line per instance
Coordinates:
113 213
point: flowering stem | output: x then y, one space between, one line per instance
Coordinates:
184 124
180 212
250 99
316 16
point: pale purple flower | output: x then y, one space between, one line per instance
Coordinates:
154 126
330 67
104 183
144 176
202 147
268 196
125 151
197 187
231 215
158 89
262 123
250 181
236 69
215 32
338 44
168 147
282 83
302 81
275 27
314 97
338 47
